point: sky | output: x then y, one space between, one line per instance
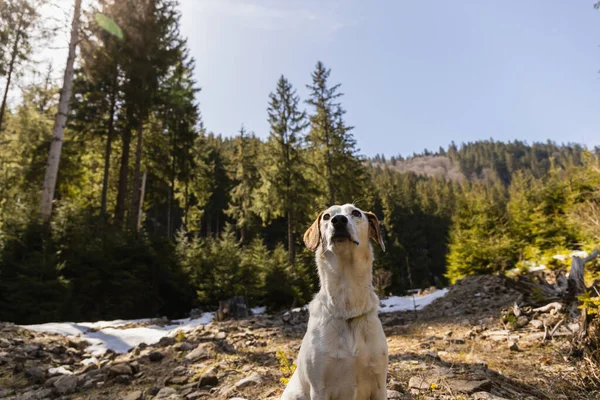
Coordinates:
415 75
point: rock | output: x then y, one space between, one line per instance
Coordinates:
4 343
421 382
253 380
78 344
522 321
59 371
165 392
221 335
65 384
123 379
137 395
201 352
195 395
185 346
395 395
486 396
156 356
470 386
6 392
120 369
513 346
35 375
178 380
536 323
208 379
166 341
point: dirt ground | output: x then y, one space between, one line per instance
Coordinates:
440 354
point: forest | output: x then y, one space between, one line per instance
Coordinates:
151 213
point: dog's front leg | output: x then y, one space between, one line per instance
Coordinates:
380 391
318 394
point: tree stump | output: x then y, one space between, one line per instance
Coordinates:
234 308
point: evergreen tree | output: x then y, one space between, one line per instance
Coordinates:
283 170
17 21
247 177
333 147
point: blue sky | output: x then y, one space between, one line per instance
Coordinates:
415 74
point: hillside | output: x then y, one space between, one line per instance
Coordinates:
486 160
458 347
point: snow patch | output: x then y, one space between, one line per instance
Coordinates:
397 303
113 335
258 310
106 335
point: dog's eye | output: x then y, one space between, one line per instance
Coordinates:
357 213
326 217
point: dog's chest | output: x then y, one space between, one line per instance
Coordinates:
348 340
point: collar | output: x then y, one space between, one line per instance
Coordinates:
356 318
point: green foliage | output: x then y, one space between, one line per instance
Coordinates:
479 240
224 216
590 303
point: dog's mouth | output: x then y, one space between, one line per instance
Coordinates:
339 237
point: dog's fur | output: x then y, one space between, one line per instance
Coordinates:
344 353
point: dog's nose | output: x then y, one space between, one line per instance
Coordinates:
339 221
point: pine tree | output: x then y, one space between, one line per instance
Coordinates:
17 20
479 239
247 177
332 145
284 167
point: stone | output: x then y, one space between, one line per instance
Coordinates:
120 369
201 352
59 371
185 346
165 392
536 323
137 395
178 380
486 396
395 395
470 386
422 382
522 321
6 392
65 384
253 380
513 346
123 379
35 375
4 343
166 341
208 379
156 356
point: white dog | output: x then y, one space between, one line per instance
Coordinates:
344 353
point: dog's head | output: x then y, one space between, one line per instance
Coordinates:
342 226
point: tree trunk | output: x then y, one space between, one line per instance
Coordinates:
136 190
11 67
172 183
142 192
111 129
291 241
60 121
124 173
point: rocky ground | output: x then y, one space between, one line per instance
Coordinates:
470 344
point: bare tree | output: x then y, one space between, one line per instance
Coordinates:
60 121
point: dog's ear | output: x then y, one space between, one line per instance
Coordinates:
375 229
312 236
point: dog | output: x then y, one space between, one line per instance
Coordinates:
344 353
